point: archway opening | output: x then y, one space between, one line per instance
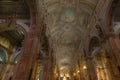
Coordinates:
99 59
94 44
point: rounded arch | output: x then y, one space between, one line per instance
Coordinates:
15 56
18 26
23 26
94 45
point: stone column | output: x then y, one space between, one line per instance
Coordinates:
91 68
23 70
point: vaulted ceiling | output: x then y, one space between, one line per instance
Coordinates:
66 20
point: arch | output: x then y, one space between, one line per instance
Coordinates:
15 56
25 28
18 26
98 55
23 25
94 45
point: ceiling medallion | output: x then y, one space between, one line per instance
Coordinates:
68 15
